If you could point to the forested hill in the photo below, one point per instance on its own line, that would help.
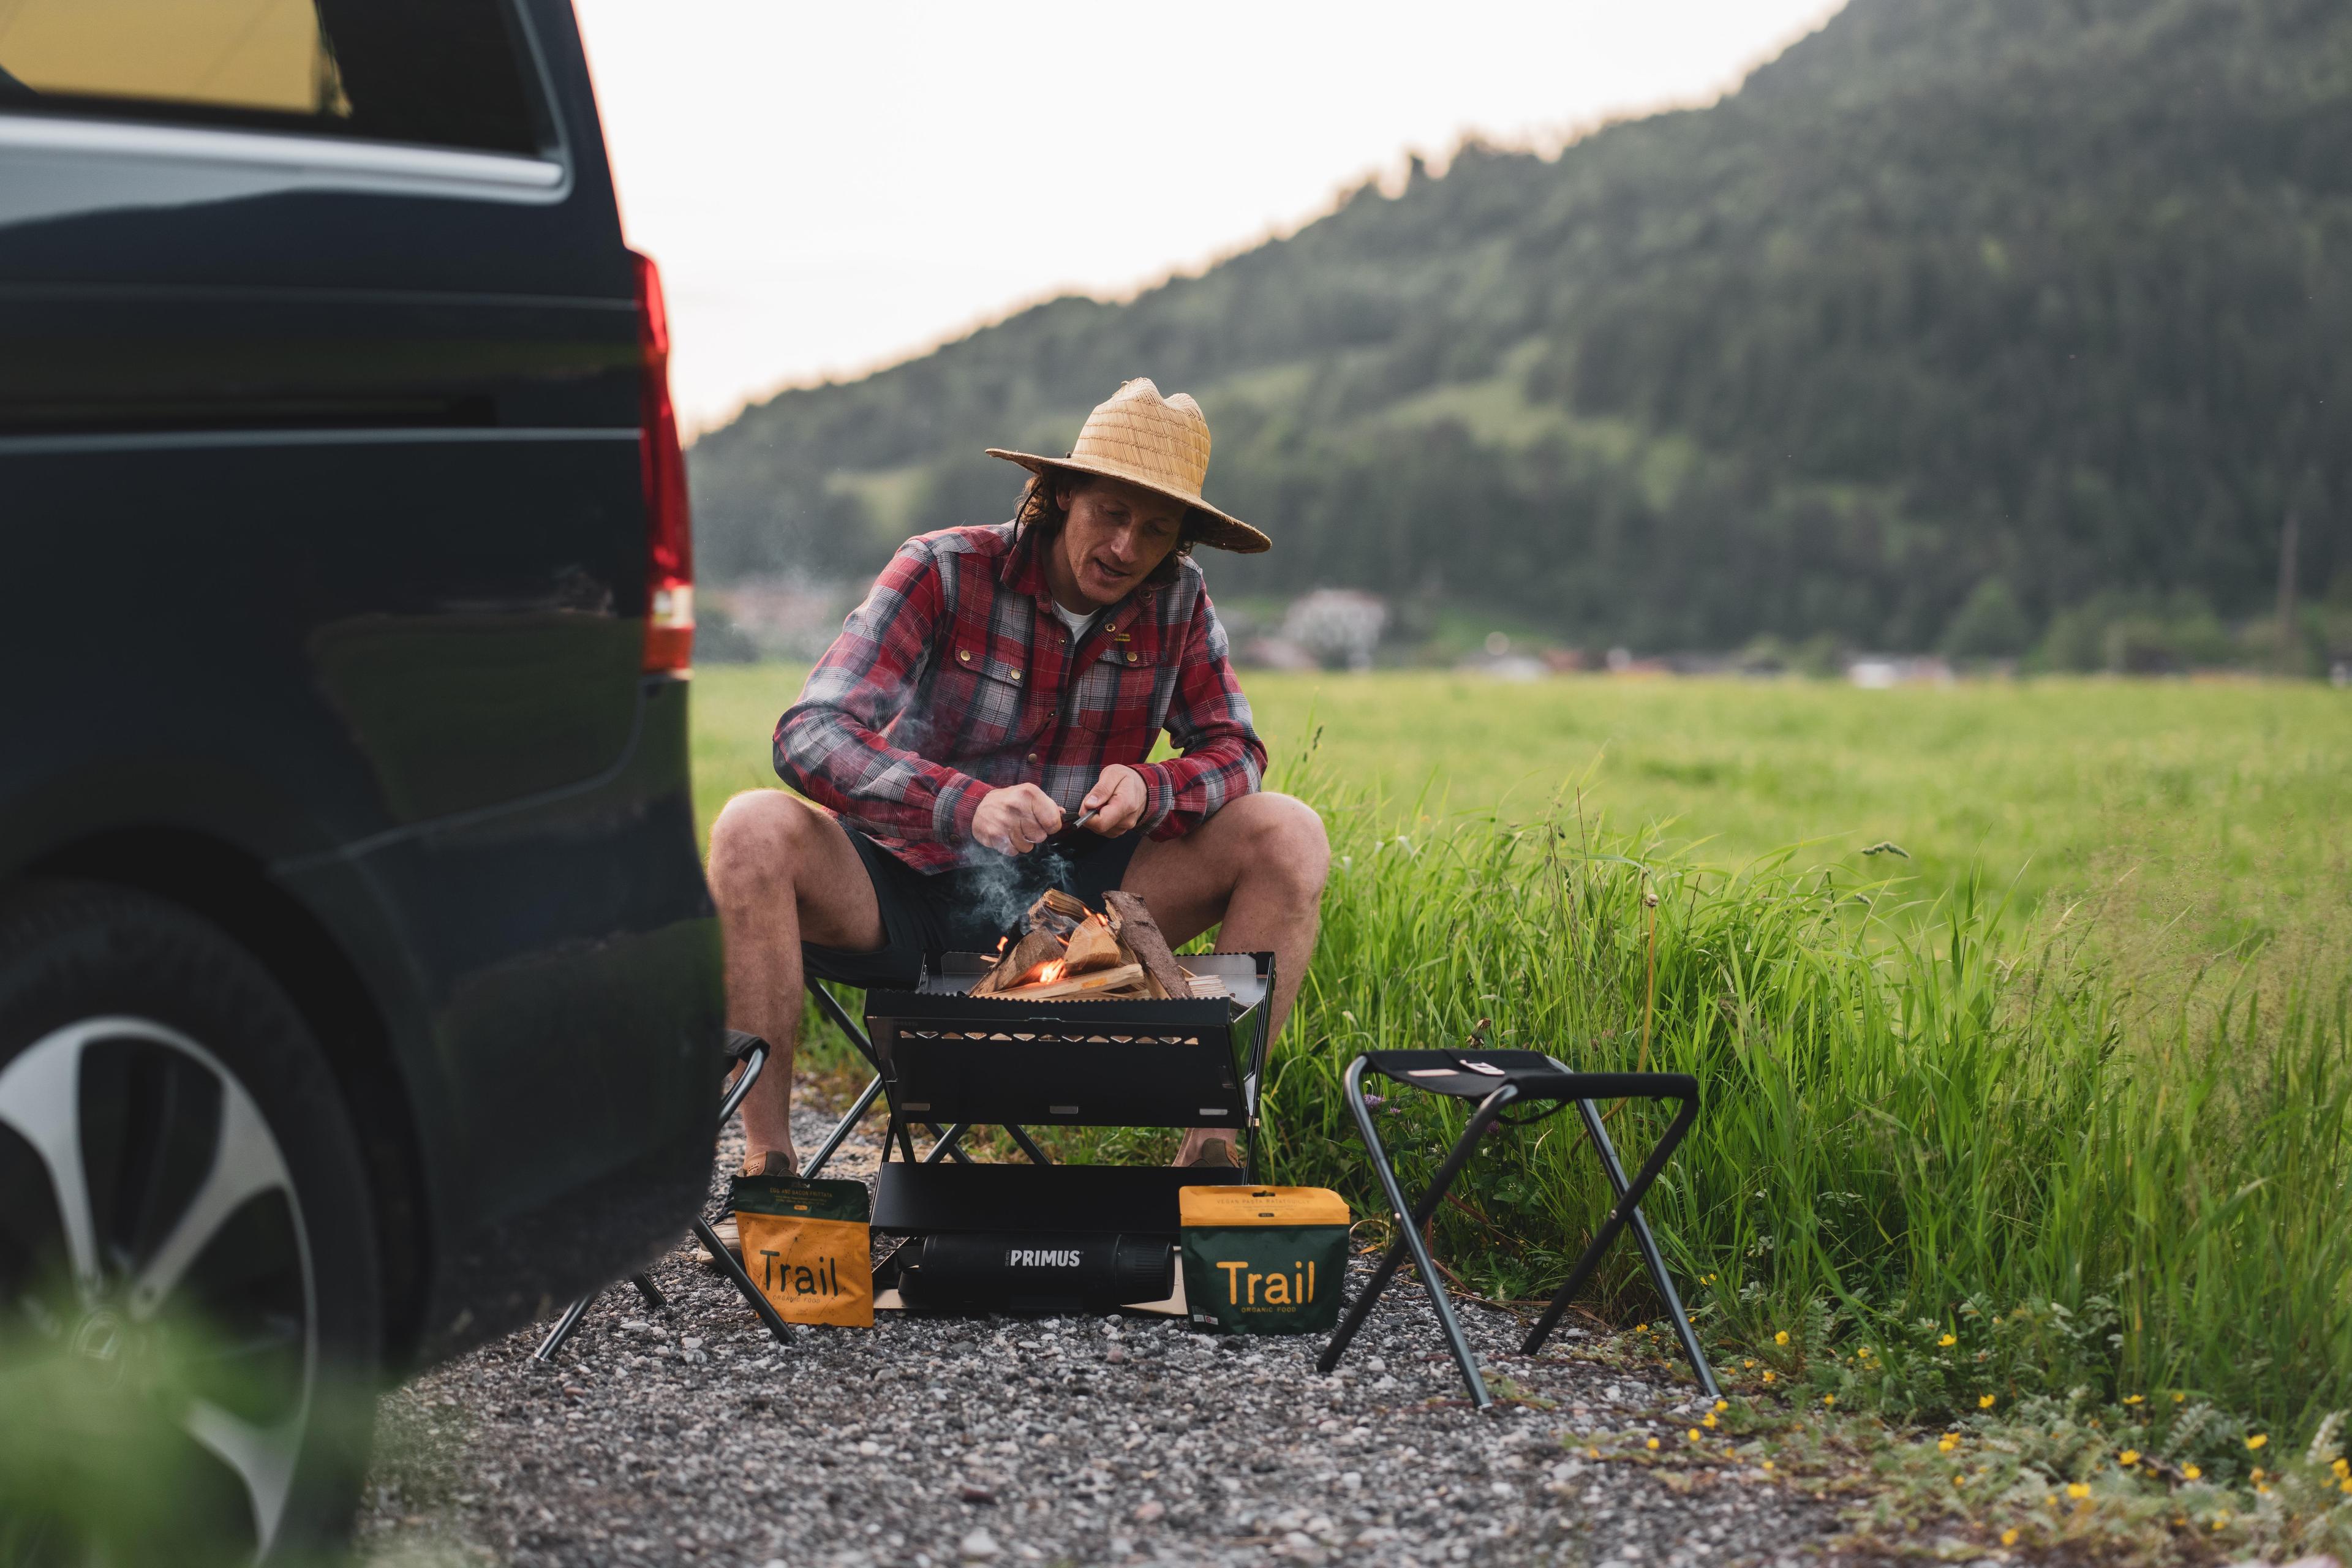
(2056, 292)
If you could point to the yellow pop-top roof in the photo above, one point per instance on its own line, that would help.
(1224, 1207)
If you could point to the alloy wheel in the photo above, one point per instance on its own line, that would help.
(159, 1240)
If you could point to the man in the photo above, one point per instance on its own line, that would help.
(996, 684)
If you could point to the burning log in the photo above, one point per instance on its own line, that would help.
(1032, 952)
(1067, 951)
(1093, 945)
(1101, 982)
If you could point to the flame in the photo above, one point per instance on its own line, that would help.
(1051, 971)
(1000, 945)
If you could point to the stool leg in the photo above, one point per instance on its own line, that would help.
(832, 1008)
(649, 1291)
(564, 1326)
(1020, 1136)
(1627, 1208)
(843, 1127)
(1410, 1219)
(1651, 1258)
(741, 1281)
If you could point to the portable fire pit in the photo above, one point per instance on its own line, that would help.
(957, 1052)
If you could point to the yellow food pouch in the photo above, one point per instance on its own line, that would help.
(807, 1247)
(1264, 1260)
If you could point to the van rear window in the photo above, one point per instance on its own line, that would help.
(441, 72)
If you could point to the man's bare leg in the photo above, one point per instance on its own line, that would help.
(1258, 865)
(781, 873)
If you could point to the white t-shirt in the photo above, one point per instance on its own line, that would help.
(1076, 620)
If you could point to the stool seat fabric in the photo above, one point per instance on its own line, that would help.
(1474, 1075)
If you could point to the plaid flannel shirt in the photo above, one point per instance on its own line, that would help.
(955, 679)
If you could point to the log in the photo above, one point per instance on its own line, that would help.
(1093, 946)
(1026, 954)
(1075, 985)
(1143, 938)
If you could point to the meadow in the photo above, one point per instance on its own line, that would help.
(2046, 1121)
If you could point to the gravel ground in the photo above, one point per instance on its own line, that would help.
(689, 1437)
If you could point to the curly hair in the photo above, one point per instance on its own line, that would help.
(1044, 507)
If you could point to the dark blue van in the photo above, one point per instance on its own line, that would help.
(359, 992)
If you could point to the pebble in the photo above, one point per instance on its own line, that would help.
(689, 1436)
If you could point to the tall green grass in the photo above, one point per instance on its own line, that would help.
(1919, 1121)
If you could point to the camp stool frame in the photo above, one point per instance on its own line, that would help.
(1494, 1080)
(752, 1053)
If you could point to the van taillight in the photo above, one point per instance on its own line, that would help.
(669, 531)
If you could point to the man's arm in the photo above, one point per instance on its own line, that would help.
(1209, 719)
(829, 745)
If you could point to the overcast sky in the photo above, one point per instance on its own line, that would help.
(829, 188)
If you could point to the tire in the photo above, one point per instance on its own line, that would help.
(190, 1281)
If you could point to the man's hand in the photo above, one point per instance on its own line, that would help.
(1017, 819)
(1117, 801)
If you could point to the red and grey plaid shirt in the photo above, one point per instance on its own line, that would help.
(954, 677)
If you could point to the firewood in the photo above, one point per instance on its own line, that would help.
(1038, 947)
(1142, 936)
(1100, 981)
(1092, 946)
(1055, 912)
(1207, 984)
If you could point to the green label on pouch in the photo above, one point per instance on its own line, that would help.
(799, 1199)
(1265, 1279)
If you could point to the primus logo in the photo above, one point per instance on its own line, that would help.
(1029, 1258)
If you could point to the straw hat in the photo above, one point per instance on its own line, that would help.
(1160, 443)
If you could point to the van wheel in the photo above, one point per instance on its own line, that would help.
(189, 1296)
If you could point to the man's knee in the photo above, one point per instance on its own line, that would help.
(755, 844)
(1286, 836)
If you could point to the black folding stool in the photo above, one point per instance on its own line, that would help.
(1494, 1080)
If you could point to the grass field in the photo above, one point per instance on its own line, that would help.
(2222, 806)
(2071, 1166)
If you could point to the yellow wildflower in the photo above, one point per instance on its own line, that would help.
(1782, 1338)
(2342, 1468)
(1749, 1362)
(1767, 1377)
(1693, 1434)
(1984, 1401)
(2177, 1398)
(1726, 1405)
(2259, 1474)
(2128, 1457)
(1653, 1442)
(2191, 1472)
(2346, 1484)
(1592, 1453)
(2134, 1398)
(1947, 1341)
(2077, 1489)
(1829, 1399)
(1707, 1419)
(2009, 1536)
(2258, 1439)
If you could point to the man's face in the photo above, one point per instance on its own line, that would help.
(1117, 534)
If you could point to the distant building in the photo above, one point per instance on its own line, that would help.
(1337, 628)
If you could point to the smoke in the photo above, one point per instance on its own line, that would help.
(999, 888)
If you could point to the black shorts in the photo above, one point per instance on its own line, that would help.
(965, 909)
